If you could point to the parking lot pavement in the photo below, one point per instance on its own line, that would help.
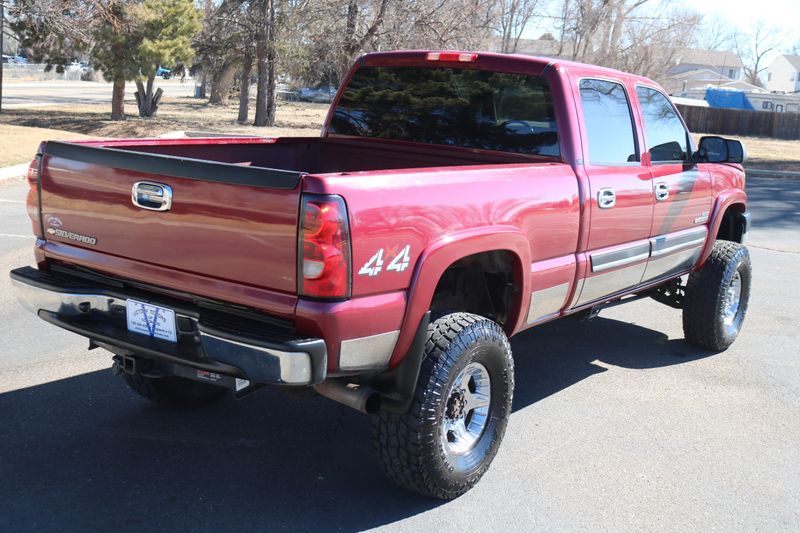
(618, 424)
(50, 93)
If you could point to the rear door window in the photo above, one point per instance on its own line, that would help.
(609, 123)
(667, 139)
(450, 106)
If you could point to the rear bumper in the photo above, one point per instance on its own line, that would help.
(207, 340)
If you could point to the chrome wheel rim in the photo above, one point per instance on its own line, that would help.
(466, 412)
(732, 300)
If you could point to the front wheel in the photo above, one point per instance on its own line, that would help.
(717, 296)
(448, 438)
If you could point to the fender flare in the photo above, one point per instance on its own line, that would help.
(723, 202)
(442, 253)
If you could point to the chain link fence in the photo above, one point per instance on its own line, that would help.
(37, 72)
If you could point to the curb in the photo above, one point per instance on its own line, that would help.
(15, 171)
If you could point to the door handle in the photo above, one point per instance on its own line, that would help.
(152, 196)
(606, 198)
(662, 191)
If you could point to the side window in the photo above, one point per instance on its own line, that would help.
(609, 125)
(663, 129)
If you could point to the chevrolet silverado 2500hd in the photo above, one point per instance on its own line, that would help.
(453, 200)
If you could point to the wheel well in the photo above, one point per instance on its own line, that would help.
(486, 284)
(731, 228)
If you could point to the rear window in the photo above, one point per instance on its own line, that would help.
(450, 106)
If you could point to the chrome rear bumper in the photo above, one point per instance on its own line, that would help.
(255, 353)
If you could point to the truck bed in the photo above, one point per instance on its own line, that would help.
(318, 155)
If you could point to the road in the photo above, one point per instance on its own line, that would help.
(617, 425)
(51, 93)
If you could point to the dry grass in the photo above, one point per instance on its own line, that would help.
(769, 154)
(174, 114)
(18, 143)
(21, 130)
(772, 154)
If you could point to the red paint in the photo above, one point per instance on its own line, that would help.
(239, 244)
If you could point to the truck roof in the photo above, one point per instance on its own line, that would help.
(536, 64)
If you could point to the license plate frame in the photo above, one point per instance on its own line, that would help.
(154, 321)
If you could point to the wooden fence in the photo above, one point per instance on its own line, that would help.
(741, 122)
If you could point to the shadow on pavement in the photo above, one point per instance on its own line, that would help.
(773, 203)
(558, 354)
(85, 453)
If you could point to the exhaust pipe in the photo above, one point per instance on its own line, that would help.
(352, 395)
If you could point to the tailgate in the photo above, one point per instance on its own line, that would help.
(227, 222)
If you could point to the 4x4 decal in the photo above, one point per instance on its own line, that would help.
(399, 262)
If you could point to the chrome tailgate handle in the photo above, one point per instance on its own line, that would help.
(152, 196)
(606, 198)
(662, 191)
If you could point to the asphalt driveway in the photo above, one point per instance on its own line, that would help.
(618, 424)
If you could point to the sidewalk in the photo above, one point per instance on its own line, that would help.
(15, 171)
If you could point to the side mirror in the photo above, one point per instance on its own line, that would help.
(714, 149)
(736, 151)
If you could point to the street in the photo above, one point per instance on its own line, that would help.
(23, 95)
(618, 424)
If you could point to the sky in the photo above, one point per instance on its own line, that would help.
(739, 14)
(784, 14)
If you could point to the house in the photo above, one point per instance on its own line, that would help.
(685, 81)
(722, 63)
(783, 75)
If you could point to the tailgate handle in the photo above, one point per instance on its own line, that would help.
(152, 196)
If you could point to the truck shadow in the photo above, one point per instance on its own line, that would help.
(559, 354)
(85, 453)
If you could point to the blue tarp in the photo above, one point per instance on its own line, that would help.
(727, 98)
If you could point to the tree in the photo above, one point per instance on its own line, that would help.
(111, 53)
(165, 28)
(753, 47)
(265, 62)
(125, 39)
(514, 18)
(639, 36)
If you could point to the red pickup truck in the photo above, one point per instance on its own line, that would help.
(453, 199)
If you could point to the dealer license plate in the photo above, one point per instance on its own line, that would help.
(151, 320)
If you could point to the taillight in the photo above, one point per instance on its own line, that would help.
(463, 57)
(32, 203)
(324, 248)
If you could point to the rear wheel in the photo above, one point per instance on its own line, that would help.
(717, 297)
(448, 438)
(174, 391)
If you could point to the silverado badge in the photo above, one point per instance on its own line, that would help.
(85, 239)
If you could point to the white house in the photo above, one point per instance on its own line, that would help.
(723, 63)
(783, 75)
(692, 79)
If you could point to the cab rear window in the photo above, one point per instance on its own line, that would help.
(450, 106)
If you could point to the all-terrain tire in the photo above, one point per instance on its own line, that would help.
(717, 296)
(174, 391)
(410, 446)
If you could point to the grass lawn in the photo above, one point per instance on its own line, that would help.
(184, 113)
(18, 144)
(21, 130)
(772, 154)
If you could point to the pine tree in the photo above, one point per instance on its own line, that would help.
(166, 28)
